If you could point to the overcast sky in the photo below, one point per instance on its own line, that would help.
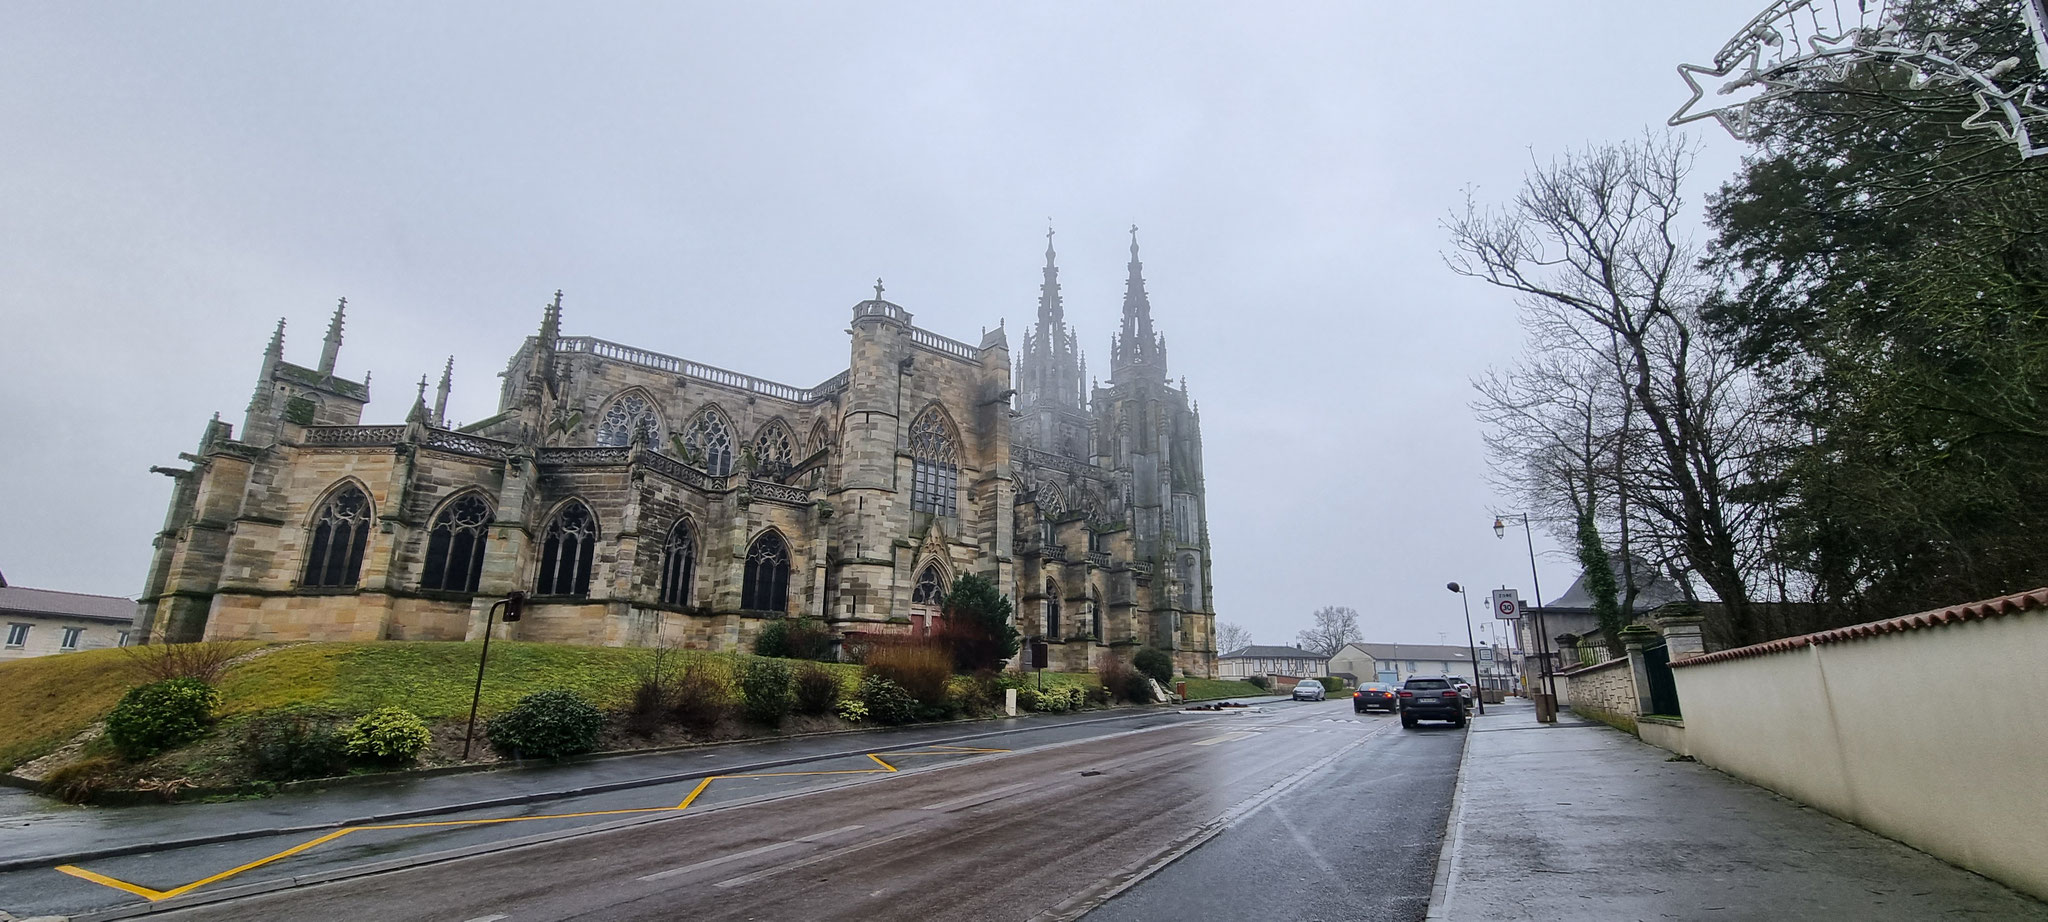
(724, 181)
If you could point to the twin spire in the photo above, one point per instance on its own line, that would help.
(1054, 372)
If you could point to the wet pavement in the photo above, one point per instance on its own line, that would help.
(1581, 821)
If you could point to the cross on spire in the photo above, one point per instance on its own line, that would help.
(878, 288)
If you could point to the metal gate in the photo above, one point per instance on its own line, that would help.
(1663, 691)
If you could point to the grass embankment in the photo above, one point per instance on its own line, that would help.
(47, 700)
(1212, 689)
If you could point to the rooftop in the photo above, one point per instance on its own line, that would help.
(1415, 651)
(1271, 652)
(21, 600)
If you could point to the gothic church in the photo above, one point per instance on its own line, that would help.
(643, 498)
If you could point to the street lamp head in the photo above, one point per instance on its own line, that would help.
(1500, 528)
(1454, 587)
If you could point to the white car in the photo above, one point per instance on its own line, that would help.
(1308, 690)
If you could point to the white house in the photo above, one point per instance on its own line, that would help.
(1268, 660)
(39, 622)
(1395, 662)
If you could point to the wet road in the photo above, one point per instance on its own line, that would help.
(1305, 812)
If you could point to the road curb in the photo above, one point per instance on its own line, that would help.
(115, 851)
(1440, 888)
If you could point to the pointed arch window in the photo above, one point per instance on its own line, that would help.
(1095, 616)
(1052, 610)
(765, 586)
(774, 449)
(821, 436)
(678, 564)
(455, 545)
(566, 551)
(629, 416)
(341, 529)
(1190, 583)
(708, 443)
(935, 465)
(931, 587)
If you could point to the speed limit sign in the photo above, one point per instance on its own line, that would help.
(1507, 605)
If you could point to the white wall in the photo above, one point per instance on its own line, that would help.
(1935, 737)
(46, 634)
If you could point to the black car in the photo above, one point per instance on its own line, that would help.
(1374, 695)
(1431, 698)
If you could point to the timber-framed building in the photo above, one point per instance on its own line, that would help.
(643, 498)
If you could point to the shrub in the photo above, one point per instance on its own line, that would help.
(851, 711)
(546, 725)
(288, 747)
(78, 782)
(1331, 684)
(1055, 700)
(978, 695)
(977, 629)
(1258, 681)
(388, 735)
(1101, 696)
(702, 700)
(887, 702)
(765, 691)
(206, 661)
(796, 638)
(817, 690)
(161, 715)
(650, 705)
(1030, 699)
(1119, 679)
(1154, 662)
(916, 665)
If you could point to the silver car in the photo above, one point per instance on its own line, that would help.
(1308, 690)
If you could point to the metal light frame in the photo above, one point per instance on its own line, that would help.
(1796, 45)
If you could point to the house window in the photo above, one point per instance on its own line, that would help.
(17, 635)
(121, 640)
(766, 583)
(678, 564)
(934, 467)
(70, 641)
(340, 531)
(455, 545)
(566, 552)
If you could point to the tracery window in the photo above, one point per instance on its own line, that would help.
(766, 583)
(628, 416)
(341, 529)
(774, 450)
(708, 441)
(566, 552)
(935, 468)
(678, 564)
(1052, 609)
(821, 435)
(455, 545)
(931, 587)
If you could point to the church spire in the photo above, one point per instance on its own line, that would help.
(1048, 373)
(332, 347)
(441, 395)
(1137, 345)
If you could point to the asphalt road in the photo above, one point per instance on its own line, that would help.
(1305, 812)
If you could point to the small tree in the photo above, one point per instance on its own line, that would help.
(1231, 637)
(1335, 626)
(977, 626)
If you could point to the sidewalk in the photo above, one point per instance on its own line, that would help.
(1581, 821)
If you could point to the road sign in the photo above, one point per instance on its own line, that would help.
(1486, 654)
(1507, 604)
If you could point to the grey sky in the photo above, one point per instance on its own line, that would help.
(724, 181)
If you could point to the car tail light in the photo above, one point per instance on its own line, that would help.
(1407, 694)
(1453, 693)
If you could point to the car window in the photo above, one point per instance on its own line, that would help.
(1427, 684)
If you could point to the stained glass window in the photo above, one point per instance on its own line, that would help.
(628, 415)
(334, 556)
(566, 552)
(766, 583)
(931, 587)
(708, 441)
(774, 449)
(455, 545)
(678, 564)
(935, 468)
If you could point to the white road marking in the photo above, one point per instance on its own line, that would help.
(489, 918)
(828, 856)
(749, 853)
(978, 797)
(1225, 738)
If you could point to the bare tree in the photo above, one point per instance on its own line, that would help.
(1335, 626)
(1231, 637)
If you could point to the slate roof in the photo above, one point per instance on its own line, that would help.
(66, 604)
(2016, 603)
(1652, 590)
(1270, 652)
(1445, 653)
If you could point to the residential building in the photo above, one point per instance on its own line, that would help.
(39, 622)
(1572, 614)
(1395, 662)
(1246, 662)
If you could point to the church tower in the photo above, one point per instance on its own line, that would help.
(1050, 392)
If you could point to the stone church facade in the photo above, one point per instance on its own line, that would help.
(642, 498)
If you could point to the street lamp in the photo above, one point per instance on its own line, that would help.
(1500, 530)
(1471, 644)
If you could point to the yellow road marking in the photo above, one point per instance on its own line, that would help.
(155, 895)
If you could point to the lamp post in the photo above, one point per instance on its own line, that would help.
(1471, 644)
(513, 605)
(1500, 530)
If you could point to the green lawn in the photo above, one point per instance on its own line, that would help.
(47, 700)
(1211, 689)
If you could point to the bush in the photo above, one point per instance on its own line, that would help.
(1055, 700)
(977, 629)
(1156, 663)
(649, 707)
(288, 747)
(1119, 679)
(916, 665)
(546, 725)
(389, 736)
(851, 711)
(702, 700)
(1258, 680)
(765, 691)
(817, 690)
(161, 715)
(979, 695)
(887, 702)
(206, 661)
(78, 782)
(798, 638)
(1331, 684)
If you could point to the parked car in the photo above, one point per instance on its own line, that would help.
(1309, 690)
(1374, 695)
(1465, 688)
(1431, 698)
